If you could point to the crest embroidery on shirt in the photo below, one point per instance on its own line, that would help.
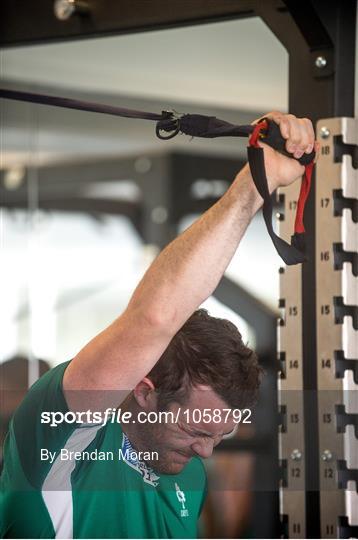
(184, 512)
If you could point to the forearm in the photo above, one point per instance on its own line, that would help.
(189, 269)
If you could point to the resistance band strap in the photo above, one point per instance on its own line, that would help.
(77, 104)
(293, 253)
(169, 124)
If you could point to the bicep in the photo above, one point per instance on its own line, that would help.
(114, 362)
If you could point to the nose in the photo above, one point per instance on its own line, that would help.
(203, 448)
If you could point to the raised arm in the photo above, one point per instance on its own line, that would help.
(185, 273)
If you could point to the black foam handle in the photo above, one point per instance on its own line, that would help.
(273, 137)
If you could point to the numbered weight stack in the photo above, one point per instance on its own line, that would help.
(337, 325)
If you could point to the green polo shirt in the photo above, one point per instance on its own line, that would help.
(92, 497)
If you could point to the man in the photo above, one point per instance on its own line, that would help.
(68, 479)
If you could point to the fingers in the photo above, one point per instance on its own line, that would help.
(316, 148)
(298, 132)
(301, 137)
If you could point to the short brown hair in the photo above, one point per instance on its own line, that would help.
(209, 351)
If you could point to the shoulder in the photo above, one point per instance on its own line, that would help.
(194, 474)
(44, 395)
(199, 465)
(33, 416)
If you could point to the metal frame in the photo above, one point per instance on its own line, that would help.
(22, 24)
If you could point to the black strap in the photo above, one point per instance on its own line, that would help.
(198, 125)
(77, 104)
(289, 253)
(169, 124)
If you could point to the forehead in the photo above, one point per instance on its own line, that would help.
(202, 396)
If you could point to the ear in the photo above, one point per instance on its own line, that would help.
(144, 394)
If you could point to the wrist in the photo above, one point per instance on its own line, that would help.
(245, 190)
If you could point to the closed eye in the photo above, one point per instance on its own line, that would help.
(206, 435)
(194, 433)
(231, 433)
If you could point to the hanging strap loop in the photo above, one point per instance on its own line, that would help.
(268, 132)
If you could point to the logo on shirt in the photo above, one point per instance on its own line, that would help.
(184, 512)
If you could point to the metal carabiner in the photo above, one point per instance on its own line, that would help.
(171, 116)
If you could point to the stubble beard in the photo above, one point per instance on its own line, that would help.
(150, 438)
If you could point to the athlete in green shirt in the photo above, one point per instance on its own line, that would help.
(91, 477)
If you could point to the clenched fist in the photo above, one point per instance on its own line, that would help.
(300, 139)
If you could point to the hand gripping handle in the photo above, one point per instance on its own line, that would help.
(272, 136)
